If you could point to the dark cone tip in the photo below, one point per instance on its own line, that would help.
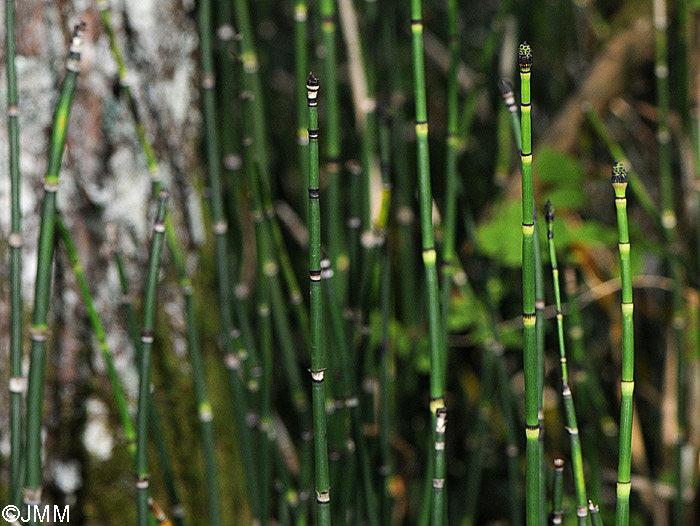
(619, 174)
(558, 463)
(312, 82)
(548, 211)
(525, 56)
(505, 87)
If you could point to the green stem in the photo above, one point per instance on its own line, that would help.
(448, 243)
(624, 485)
(230, 336)
(142, 417)
(17, 381)
(100, 335)
(571, 422)
(32, 490)
(557, 492)
(323, 496)
(532, 425)
(596, 519)
(437, 388)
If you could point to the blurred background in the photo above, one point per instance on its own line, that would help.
(595, 101)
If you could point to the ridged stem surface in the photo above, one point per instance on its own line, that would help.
(144, 366)
(35, 388)
(17, 382)
(437, 396)
(624, 484)
(532, 427)
(567, 396)
(318, 367)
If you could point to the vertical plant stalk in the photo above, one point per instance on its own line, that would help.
(17, 382)
(593, 402)
(142, 416)
(569, 408)
(204, 407)
(596, 519)
(437, 389)
(668, 221)
(448, 243)
(624, 484)
(32, 489)
(251, 83)
(557, 492)
(100, 335)
(532, 426)
(301, 60)
(230, 336)
(336, 249)
(323, 495)
(539, 338)
(155, 424)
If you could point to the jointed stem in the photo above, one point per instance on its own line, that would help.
(32, 490)
(624, 485)
(437, 388)
(571, 423)
(323, 496)
(532, 426)
(557, 491)
(142, 417)
(17, 382)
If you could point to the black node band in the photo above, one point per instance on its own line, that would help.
(313, 193)
(313, 133)
(415, 21)
(421, 122)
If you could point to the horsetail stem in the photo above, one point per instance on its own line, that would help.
(357, 445)
(539, 339)
(123, 73)
(17, 384)
(301, 60)
(336, 249)
(204, 409)
(569, 409)
(532, 425)
(591, 394)
(100, 335)
(155, 424)
(233, 350)
(32, 490)
(437, 389)
(506, 90)
(668, 221)
(557, 491)
(149, 307)
(594, 510)
(317, 370)
(204, 406)
(452, 143)
(624, 485)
